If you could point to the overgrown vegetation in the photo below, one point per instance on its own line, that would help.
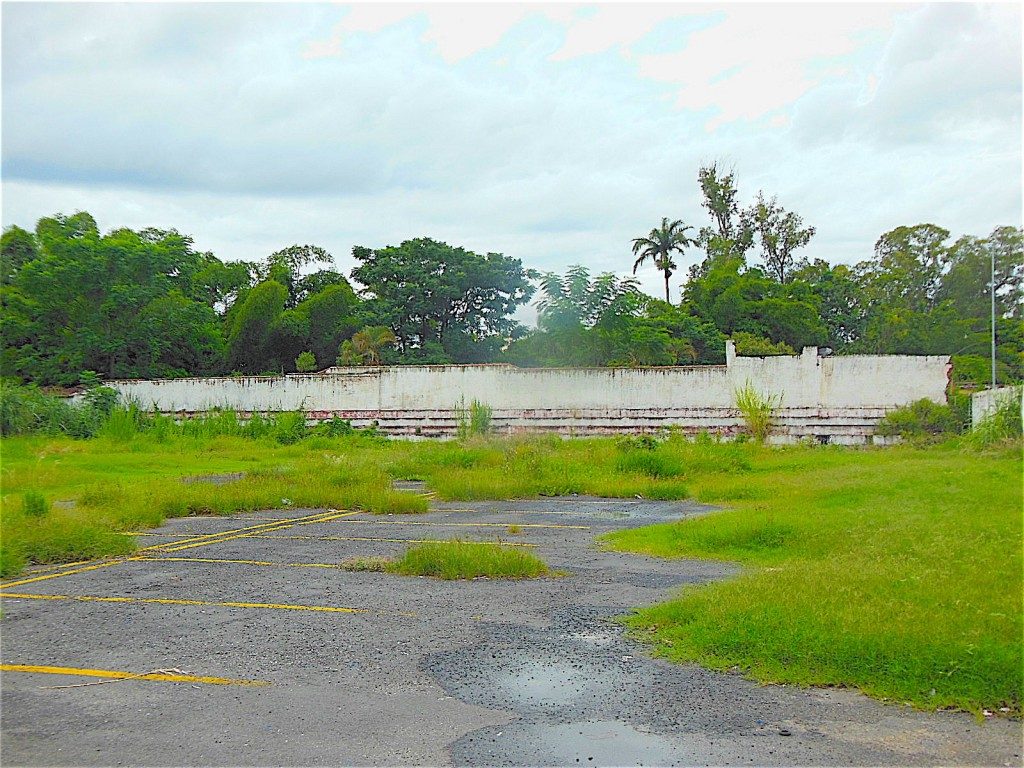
(896, 571)
(1002, 425)
(474, 421)
(468, 560)
(922, 420)
(757, 410)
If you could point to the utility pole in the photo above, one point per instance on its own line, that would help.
(993, 292)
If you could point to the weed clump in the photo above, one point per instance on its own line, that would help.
(1003, 424)
(34, 504)
(757, 410)
(474, 421)
(458, 559)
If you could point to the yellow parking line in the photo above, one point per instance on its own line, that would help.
(239, 562)
(34, 579)
(116, 675)
(248, 528)
(172, 601)
(468, 525)
(374, 538)
(176, 546)
(331, 517)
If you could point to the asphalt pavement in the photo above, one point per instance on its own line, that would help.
(239, 641)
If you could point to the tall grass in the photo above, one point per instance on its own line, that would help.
(474, 421)
(757, 410)
(1004, 424)
(468, 560)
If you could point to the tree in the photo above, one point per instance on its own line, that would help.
(251, 325)
(838, 298)
(305, 362)
(428, 292)
(370, 342)
(781, 233)
(659, 245)
(730, 235)
(285, 267)
(17, 248)
(121, 303)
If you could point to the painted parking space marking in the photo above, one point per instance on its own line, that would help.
(111, 674)
(378, 538)
(213, 538)
(172, 546)
(232, 561)
(212, 603)
(467, 525)
(71, 572)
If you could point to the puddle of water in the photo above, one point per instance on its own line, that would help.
(544, 684)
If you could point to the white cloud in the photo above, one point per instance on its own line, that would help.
(553, 134)
(762, 57)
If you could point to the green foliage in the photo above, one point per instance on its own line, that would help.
(124, 303)
(1002, 425)
(659, 245)
(34, 504)
(922, 419)
(427, 291)
(780, 233)
(468, 560)
(250, 325)
(757, 410)
(305, 362)
(895, 571)
(146, 304)
(29, 410)
(371, 342)
(474, 421)
(749, 345)
(289, 427)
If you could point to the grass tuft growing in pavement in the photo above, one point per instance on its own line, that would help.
(895, 571)
(468, 560)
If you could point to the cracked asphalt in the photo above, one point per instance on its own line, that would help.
(286, 660)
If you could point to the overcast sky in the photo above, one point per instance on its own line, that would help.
(552, 133)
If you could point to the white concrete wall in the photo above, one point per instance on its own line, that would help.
(984, 402)
(838, 399)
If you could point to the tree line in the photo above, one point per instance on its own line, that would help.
(147, 304)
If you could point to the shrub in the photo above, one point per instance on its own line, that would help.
(34, 504)
(758, 410)
(289, 427)
(335, 427)
(628, 443)
(305, 362)
(922, 419)
(749, 345)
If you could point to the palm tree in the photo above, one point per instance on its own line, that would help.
(658, 247)
(370, 341)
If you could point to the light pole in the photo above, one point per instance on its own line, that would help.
(993, 292)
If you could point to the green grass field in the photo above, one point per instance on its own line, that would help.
(897, 571)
